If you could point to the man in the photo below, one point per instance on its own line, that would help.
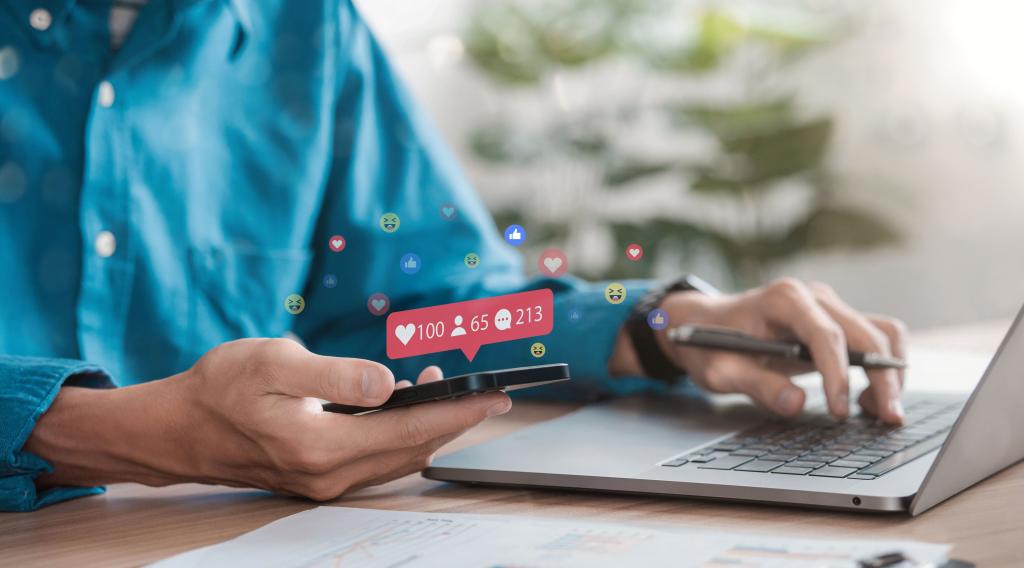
(160, 200)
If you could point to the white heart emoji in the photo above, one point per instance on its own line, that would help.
(336, 243)
(377, 304)
(634, 252)
(552, 264)
(404, 333)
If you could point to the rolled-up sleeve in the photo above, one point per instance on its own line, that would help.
(28, 385)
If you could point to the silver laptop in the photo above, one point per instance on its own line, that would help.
(692, 447)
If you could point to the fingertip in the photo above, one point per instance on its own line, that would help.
(499, 407)
(402, 384)
(790, 401)
(378, 383)
(430, 374)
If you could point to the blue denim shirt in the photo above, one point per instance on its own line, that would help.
(160, 200)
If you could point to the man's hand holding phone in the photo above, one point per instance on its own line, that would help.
(247, 414)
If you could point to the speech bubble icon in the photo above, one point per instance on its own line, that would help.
(468, 325)
(503, 319)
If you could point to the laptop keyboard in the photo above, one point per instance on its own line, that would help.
(858, 448)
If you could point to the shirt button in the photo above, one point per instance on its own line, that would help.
(105, 244)
(106, 94)
(40, 19)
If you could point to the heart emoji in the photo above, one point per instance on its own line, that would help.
(552, 262)
(404, 333)
(448, 211)
(337, 243)
(377, 304)
(634, 252)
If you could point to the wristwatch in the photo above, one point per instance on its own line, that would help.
(652, 359)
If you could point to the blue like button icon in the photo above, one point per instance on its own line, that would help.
(410, 263)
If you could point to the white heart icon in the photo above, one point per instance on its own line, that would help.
(552, 264)
(404, 333)
(336, 243)
(377, 304)
(634, 252)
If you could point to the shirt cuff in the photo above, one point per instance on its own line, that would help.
(28, 386)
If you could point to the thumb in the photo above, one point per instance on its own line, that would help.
(355, 382)
(773, 391)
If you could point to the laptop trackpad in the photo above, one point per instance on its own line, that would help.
(622, 437)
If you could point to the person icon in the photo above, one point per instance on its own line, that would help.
(459, 330)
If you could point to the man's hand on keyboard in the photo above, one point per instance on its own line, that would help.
(790, 309)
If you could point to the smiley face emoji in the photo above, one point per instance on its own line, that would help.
(472, 260)
(294, 303)
(390, 222)
(615, 293)
(537, 350)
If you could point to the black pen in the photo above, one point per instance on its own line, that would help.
(732, 340)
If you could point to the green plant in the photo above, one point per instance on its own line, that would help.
(763, 145)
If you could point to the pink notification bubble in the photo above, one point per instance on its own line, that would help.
(468, 325)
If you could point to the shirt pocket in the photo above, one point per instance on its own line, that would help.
(240, 292)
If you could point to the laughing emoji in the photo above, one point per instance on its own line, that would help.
(294, 303)
(615, 293)
(537, 350)
(472, 260)
(389, 222)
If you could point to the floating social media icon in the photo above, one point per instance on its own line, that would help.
(575, 315)
(390, 222)
(330, 281)
(552, 262)
(447, 211)
(336, 243)
(294, 303)
(405, 332)
(472, 260)
(515, 235)
(657, 319)
(468, 325)
(410, 263)
(378, 304)
(615, 293)
(502, 319)
(634, 252)
(537, 350)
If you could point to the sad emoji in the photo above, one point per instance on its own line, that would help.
(615, 293)
(389, 222)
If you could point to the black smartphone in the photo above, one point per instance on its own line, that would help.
(461, 385)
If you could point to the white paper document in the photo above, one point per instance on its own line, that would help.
(342, 537)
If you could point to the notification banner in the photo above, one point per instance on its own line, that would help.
(468, 325)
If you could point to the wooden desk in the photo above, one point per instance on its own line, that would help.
(133, 525)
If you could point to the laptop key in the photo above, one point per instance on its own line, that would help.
(675, 463)
(861, 476)
(790, 470)
(779, 457)
(801, 463)
(706, 457)
(831, 471)
(862, 458)
(879, 453)
(760, 465)
(818, 458)
(912, 453)
(749, 452)
(728, 462)
(849, 463)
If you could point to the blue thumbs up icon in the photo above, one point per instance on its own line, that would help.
(410, 263)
